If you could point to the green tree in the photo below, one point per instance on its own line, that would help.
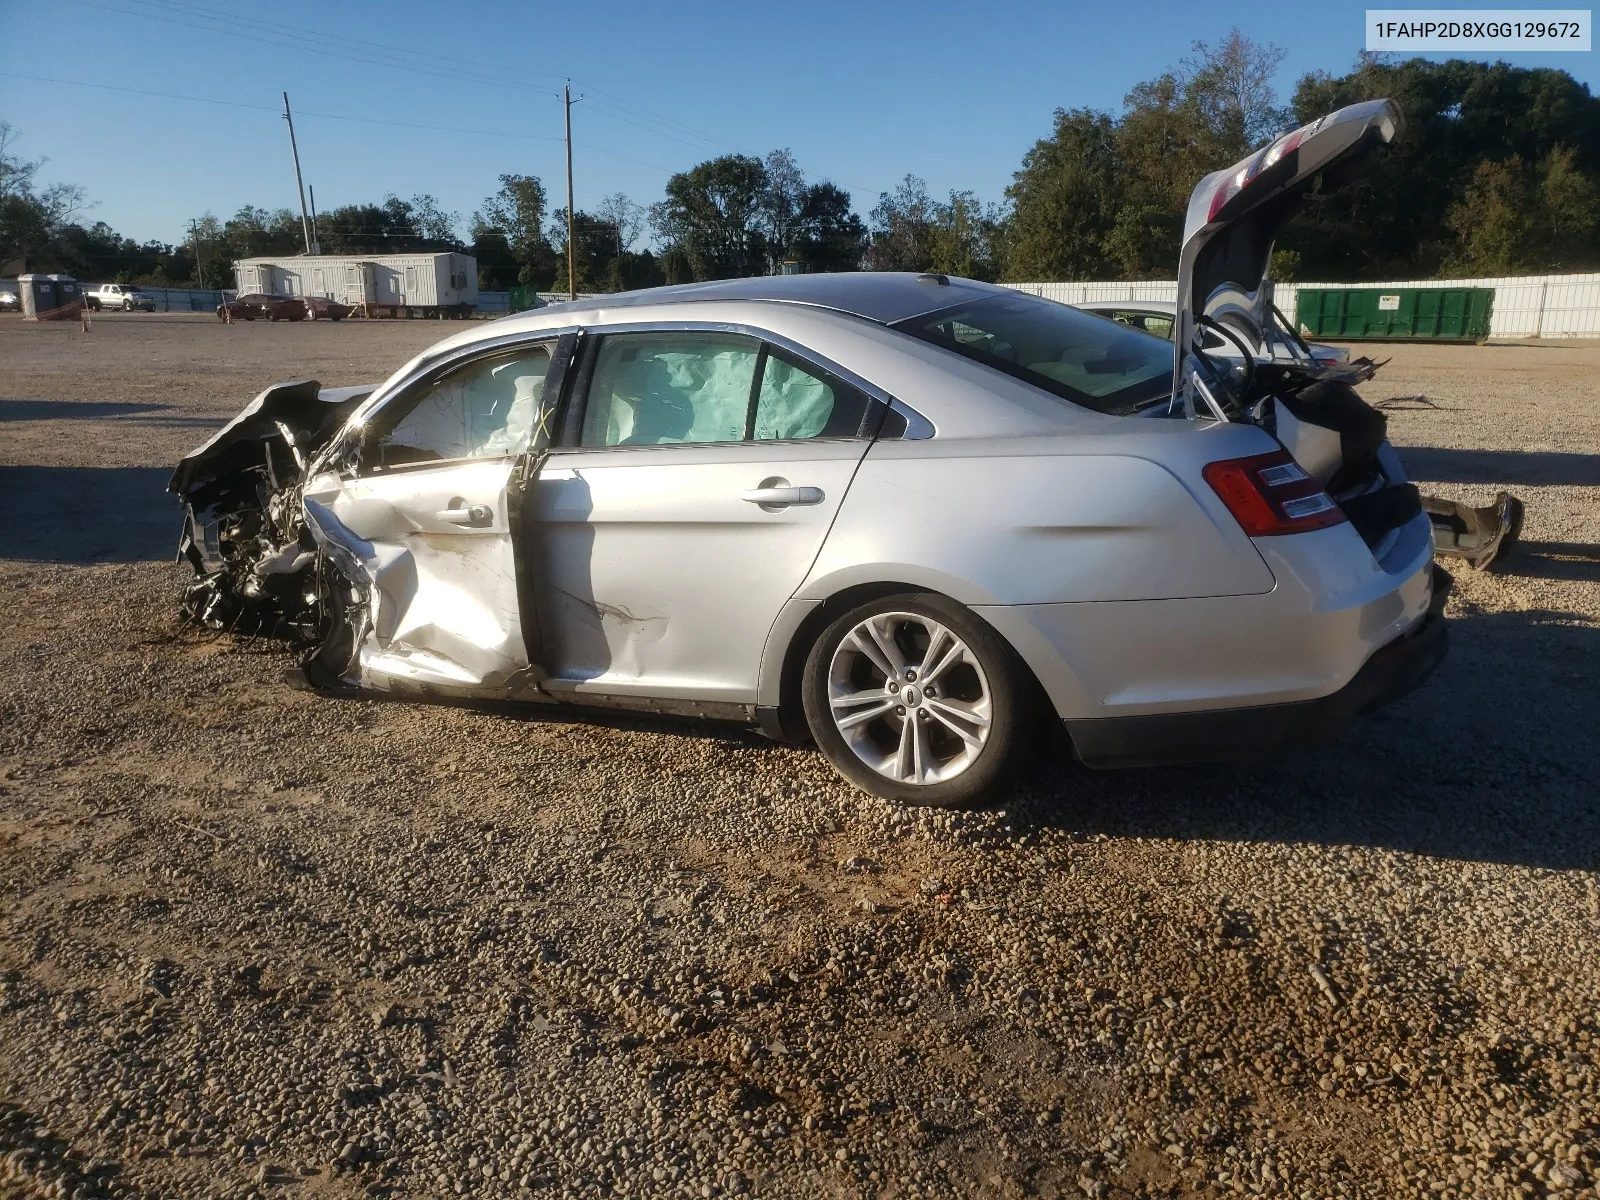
(1106, 196)
(831, 236)
(1065, 201)
(911, 231)
(434, 227)
(1495, 220)
(1570, 200)
(1230, 87)
(32, 219)
(626, 222)
(517, 214)
(716, 214)
(783, 204)
(965, 237)
(498, 268)
(902, 228)
(1408, 215)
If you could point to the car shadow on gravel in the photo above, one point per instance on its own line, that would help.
(1436, 464)
(102, 410)
(73, 410)
(87, 514)
(1577, 561)
(1492, 761)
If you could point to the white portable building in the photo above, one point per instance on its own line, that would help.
(429, 282)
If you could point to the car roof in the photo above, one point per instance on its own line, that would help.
(881, 296)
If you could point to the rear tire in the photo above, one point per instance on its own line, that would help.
(955, 747)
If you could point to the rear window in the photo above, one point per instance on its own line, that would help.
(1084, 359)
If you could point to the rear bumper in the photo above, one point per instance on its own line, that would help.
(1163, 738)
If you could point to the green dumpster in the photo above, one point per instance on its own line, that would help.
(1430, 314)
(522, 298)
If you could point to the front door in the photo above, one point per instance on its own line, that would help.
(428, 514)
(705, 472)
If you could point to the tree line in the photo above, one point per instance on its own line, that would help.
(1498, 172)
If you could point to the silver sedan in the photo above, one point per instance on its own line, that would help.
(898, 515)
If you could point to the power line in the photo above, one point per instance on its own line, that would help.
(604, 103)
(214, 23)
(290, 31)
(326, 116)
(109, 87)
(489, 73)
(411, 60)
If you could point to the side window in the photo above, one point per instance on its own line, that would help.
(485, 409)
(659, 389)
(799, 402)
(1156, 323)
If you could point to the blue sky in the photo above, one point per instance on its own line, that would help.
(862, 93)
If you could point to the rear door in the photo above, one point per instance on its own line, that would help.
(431, 513)
(702, 473)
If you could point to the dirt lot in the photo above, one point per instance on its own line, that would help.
(257, 942)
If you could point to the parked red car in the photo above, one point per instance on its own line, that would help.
(255, 305)
(328, 310)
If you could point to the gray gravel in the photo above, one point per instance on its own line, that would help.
(254, 942)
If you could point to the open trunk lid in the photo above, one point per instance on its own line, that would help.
(1234, 216)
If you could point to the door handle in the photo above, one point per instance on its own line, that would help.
(473, 514)
(782, 497)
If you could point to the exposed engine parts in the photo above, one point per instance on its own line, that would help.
(259, 571)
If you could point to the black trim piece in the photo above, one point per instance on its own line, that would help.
(577, 398)
(1222, 734)
(755, 392)
(772, 724)
(1376, 513)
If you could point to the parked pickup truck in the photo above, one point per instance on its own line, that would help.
(123, 296)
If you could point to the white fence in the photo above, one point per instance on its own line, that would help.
(1529, 306)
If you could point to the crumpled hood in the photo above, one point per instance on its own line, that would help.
(309, 411)
(1235, 214)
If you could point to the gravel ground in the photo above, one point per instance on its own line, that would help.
(254, 942)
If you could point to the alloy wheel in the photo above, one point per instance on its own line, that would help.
(910, 698)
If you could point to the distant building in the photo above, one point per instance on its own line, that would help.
(412, 284)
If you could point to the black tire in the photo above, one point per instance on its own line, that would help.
(988, 775)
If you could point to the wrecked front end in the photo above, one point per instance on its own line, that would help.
(259, 570)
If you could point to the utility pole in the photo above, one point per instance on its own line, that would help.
(199, 263)
(305, 220)
(316, 240)
(572, 254)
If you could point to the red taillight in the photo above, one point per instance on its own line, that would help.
(1269, 494)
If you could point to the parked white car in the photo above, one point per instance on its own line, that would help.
(1160, 317)
(891, 513)
(122, 297)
